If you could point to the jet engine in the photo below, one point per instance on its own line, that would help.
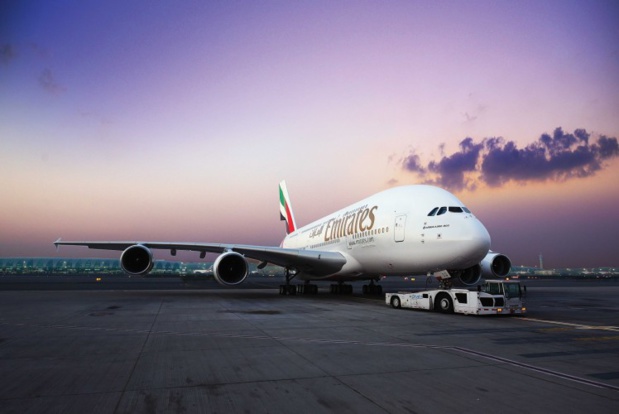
(230, 269)
(470, 276)
(495, 265)
(136, 260)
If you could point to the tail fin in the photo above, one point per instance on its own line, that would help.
(285, 209)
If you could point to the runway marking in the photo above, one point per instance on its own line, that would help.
(529, 367)
(600, 338)
(573, 325)
(539, 369)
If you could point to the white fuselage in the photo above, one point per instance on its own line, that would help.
(391, 233)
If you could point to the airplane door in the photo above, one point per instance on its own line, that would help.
(400, 225)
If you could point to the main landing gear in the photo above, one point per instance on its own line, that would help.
(307, 289)
(304, 289)
(288, 289)
(372, 289)
(341, 289)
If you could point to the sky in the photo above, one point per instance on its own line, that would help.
(175, 121)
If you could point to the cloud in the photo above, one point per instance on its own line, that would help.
(411, 163)
(47, 81)
(607, 147)
(495, 161)
(451, 169)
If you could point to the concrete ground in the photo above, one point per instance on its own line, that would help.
(253, 351)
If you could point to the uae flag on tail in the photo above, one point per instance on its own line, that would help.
(285, 209)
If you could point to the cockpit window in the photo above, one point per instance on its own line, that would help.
(433, 212)
(437, 211)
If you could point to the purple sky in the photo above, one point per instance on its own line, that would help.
(176, 121)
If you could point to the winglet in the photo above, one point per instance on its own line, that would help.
(57, 242)
(285, 209)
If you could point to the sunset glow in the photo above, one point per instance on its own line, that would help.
(176, 121)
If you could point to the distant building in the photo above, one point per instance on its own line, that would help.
(535, 272)
(57, 265)
(72, 266)
(68, 266)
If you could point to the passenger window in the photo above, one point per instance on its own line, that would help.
(441, 210)
(455, 209)
(433, 212)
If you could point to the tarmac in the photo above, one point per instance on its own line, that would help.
(212, 350)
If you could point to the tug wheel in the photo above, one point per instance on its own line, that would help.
(444, 303)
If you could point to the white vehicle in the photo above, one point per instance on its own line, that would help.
(416, 229)
(495, 297)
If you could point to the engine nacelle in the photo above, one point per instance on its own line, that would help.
(136, 260)
(461, 277)
(470, 276)
(495, 265)
(230, 269)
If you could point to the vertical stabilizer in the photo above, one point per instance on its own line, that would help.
(285, 209)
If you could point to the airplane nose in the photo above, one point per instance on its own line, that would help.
(480, 239)
(472, 244)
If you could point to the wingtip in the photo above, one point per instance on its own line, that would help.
(57, 242)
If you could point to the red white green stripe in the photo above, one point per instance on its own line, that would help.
(285, 210)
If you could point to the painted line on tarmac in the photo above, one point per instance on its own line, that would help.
(573, 325)
(537, 369)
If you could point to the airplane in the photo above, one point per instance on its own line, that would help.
(402, 231)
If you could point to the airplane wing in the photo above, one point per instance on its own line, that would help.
(314, 262)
